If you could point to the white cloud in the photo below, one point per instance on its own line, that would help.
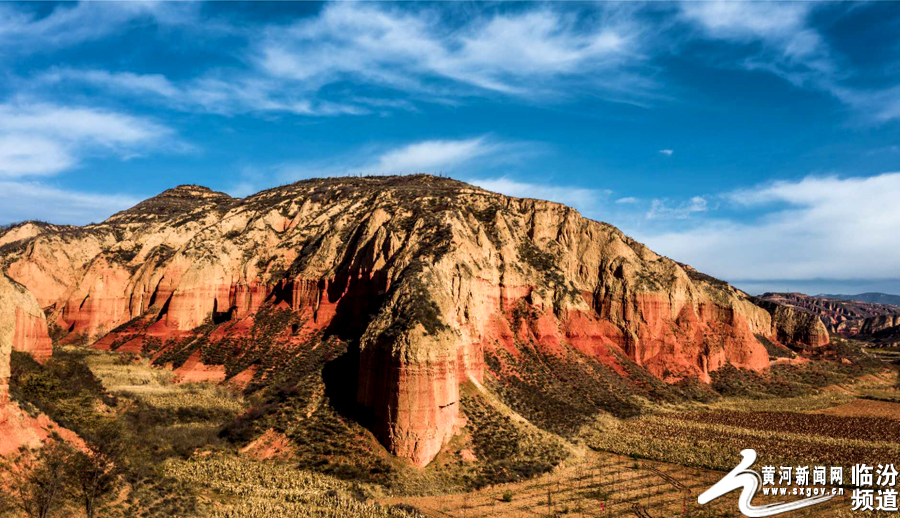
(588, 201)
(22, 156)
(778, 22)
(659, 209)
(791, 48)
(208, 93)
(818, 227)
(627, 200)
(403, 49)
(21, 201)
(22, 30)
(44, 139)
(433, 155)
(667, 152)
(420, 53)
(119, 82)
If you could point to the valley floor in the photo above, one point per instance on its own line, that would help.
(652, 465)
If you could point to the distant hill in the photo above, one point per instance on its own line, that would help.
(878, 298)
(872, 321)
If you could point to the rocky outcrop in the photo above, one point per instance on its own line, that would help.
(795, 326)
(423, 275)
(839, 316)
(22, 324)
(22, 328)
(869, 326)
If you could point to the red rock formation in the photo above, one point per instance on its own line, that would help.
(31, 335)
(426, 274)
(22, 328)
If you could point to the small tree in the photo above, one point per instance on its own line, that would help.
(36, 479)
(92, 476)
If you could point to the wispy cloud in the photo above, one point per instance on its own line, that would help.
(660, 209)
(406, 49)
(667, 152)
(790, 46)
(786, 43)
(20, 200)
(434, 155)
(405, 56)
(233, 94)
(817, 227)
(23, 30)
(44, 139)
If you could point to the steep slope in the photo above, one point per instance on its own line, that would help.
(22, 328)
(422, 277)
(796, 325)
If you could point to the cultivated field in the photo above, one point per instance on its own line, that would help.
(601, 484)
(622, 473)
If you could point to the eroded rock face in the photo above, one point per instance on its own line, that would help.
(422, 274)
(22, 328)
(796, 326)
(847, 317)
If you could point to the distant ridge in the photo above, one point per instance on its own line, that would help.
(878, 298)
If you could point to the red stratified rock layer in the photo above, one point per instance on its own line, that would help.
(425, 274)
(22, 328)
(31, 336)
(415, 405)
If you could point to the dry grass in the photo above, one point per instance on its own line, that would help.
(156, 386)
(249, 488)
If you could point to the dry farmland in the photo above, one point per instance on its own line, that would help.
(622, 473)
(599, 485)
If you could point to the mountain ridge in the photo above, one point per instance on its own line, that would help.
(418, 283)
(871, 296)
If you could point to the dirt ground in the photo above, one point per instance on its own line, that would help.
(865, 408)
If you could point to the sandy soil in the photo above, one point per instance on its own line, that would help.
(865, 408)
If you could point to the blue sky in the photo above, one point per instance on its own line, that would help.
(759, 142)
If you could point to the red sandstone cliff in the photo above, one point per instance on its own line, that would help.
(22, 328)
(425, 274)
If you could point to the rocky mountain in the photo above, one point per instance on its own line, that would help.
(869, 320)
(795, 324)
(22, 328)
(396, 290)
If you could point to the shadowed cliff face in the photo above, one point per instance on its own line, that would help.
(796, 326)
(422, 275)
